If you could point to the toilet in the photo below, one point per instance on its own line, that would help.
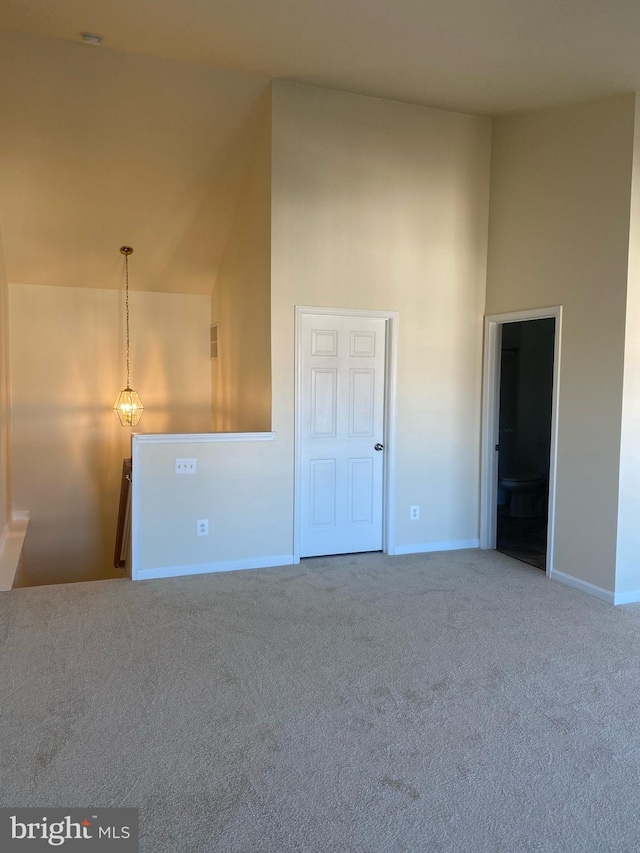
(528, 492)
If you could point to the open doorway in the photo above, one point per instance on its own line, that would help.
(521, 372)
(524, 442)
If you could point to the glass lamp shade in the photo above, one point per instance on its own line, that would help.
(128, 407)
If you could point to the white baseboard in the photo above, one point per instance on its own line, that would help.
(427, 547)
(207, 568)
(585, 586)
(11, 544)
(632, 597)
(4, 537)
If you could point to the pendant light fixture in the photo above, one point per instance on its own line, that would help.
(128, 406)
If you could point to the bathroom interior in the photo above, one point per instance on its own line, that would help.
(526, 393)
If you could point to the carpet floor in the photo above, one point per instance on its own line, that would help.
(360, 704)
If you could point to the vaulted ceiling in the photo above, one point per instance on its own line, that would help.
(143, 139)
(481, 56)
(103, 148)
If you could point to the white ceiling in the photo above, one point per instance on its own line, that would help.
(480, 56)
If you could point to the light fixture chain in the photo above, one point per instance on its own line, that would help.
(128, 406)
(126, 268)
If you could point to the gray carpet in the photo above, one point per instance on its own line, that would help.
(361, 704)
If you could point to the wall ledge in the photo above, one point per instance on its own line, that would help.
(11, 545)
(201, 437)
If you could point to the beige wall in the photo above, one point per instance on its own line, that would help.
(558, 235)
(233, 488)
(5, 426)
(382, 205)
(374, 205)
(628, 545)
(68, 365)
(241, 301)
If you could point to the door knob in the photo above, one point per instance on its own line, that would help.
(378, 446)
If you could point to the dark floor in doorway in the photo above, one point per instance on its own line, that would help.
(522, 538)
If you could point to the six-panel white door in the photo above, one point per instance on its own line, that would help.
(342, 364)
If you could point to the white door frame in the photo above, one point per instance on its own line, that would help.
(490, 422)
(389, 469)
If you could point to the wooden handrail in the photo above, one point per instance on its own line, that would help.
(124, 517)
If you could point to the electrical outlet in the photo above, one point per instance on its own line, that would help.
(414, 513)
(203, 527)
(186, 466)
